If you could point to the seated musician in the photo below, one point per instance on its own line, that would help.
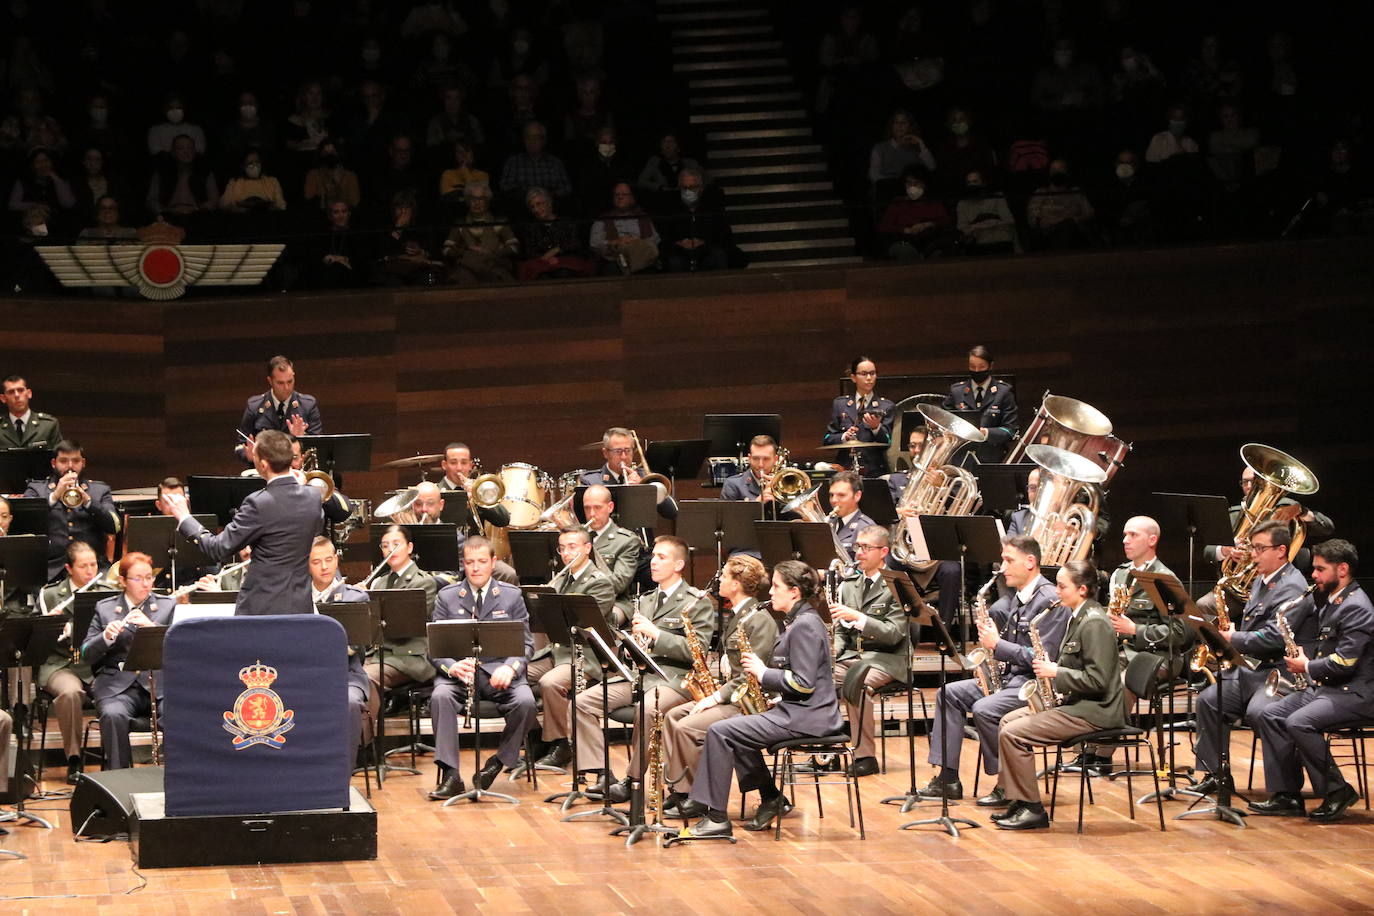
(328, 587)
(498, 680)
(617, 548)
(14, 601)
(915, 444)
(121, 696)
(872, 645)
(402, 661)
(1318, 527)
(861, 417)
(617, 447)
(684, 727)
(166, 487)
(551, 664)
(93, 517)
(994, 400)
(1019, 521)
(1005, 636)
(798, 668)
(428, 509)
(846, 489)
(1255, 634)
(754, 484)
(67, 681)
(1339, 693)
(657, 624)
(1085, 683)
(230, 576)
(458, 475)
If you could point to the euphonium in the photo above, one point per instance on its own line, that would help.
(748, 696)
(698, 680)
(1062, 525)
(987, 671)
(1276, 685)
(1276, 473)
(937, 486)
(1038, 692)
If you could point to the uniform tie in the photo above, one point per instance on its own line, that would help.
(281, 412)
(978, 396)
(19, 429)
(477, 603)
(662, 597)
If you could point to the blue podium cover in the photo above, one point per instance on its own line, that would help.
(256, 715)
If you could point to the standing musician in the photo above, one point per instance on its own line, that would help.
(915, 444)
(872, 642)
(799, 668)
(121, 695)
(21, 426)
(1087, 677)
(657, 625)
(279, 522)
(281, 407)
(458, 475)
(618, 548)
(67, 681)
(428, 509)
(328, 587)
(551, 664)
(407, 660)
(861, 417)
(1256, 636)
(846, 489)
(993, 398)
(617, 447)
(499, 680)
(1340, 693)
(685, 726)
(91, 518)
(1006, 638)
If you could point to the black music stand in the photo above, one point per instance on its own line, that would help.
(560, 618)
(876, 502)
(635, 506)
(212, 597)
(347, 452)
(601, 641)
(26, 643)
(534, 554)
(30, 515)
(158, 536)
(402, 613)
(145, 654)
(83, 612)
(20, 465)
(456, 510)
(1002, 486)
(905, 592)
(725, 525)
(23, 561)
(811, 542)
(677, 458)
(1207, 519)
(220, 496)
(361, 623)
(436, 547)
(476, 639)
(642, 664)
(729, 433)
(964, 539)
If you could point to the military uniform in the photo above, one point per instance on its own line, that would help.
(1256, 636)
(120, 695)
(996, 402)
(499, 602)
(1319, 529)
(65, 681)
(619, 550)
(1152, 634)
(799, 668)
(262, 412)
(551, 664)
(847, 529)
(41, 430)
(847, 411)
(684, 732)
(1340, 692)
(672, 654)
(667, 507)
(743, 488)
(1013, 614)
(90, 523)
(871, 655)
(358, 688)
(407, 660)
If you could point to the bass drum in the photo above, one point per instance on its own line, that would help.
(527, 492)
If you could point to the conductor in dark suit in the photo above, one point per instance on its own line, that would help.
(861, 417)
(91, 519)
(121, 695)
(281, 407)
(500, 680)
(993, 398)
(279, 522)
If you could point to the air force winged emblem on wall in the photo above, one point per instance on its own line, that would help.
(160, 271)
(259, 716)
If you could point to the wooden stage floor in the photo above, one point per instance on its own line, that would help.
(500, 859)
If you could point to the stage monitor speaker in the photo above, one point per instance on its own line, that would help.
(102, 802)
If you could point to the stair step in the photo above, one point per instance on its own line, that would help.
(730, 31)
(767, 116)
(740, 63)
(728, 47)
(745, 211)
(692, 3)
(794, 225)
(788, 168)
(746, 99)
(800, 244)
(755, 152)
(714, 15)
(740, 82)
(782, 187)
(805, 262)
(760, 134)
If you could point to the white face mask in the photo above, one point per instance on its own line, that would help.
(248, 112)
(253, 171)
(915, 192)
(607, 150)
(175, 115)
(40, 230)
(690, 196)
(1125, 171)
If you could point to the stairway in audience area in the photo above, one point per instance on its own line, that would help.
(760, 148)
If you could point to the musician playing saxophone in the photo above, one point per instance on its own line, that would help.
(1256, 635)
(1008, 641)
(1340, 692)
(1085, 675)
(684, 731)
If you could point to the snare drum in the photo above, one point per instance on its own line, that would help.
(526, 493)
(570, 481)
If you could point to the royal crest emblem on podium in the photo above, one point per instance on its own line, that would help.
(259, 715)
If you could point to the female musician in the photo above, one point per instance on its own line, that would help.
(800, 670)
(861, 417)
(992, 398)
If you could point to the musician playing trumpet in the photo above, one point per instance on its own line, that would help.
(459, 474)
(618, 448)
(79, 509)
(1005, 636)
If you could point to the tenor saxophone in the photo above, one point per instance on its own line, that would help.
(748, 696)
(699, 681)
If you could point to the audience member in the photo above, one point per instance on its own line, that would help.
(914, 226)
(94, 183)
(535, 167)
(248, 131)
(890, 158)
(963, 151)
(402, 256)
(338, 258)
(453, 124)
(1123, 202)
(107, 229)
(551, 245)
(600, 170)
(696, 234)
(624, 236)
(1059, 214)
(660, 173)
(589, 119)
(251, 190)
(480, 249)
(162, 136)
(182, 182)
(42, 186)
(983, 218)
(454, 181)
(1173, 140)
(330, 179)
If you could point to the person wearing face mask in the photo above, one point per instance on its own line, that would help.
(1173, 140)
(329, 180)
(889, 159)
(1060, 214)
(1124, 202)
(914, 226)
(248, 131)
(161, 136)
(983, 218)
(601, 168)
(994, 400)
(696, 233)
(253, 191)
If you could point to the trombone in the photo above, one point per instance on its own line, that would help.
(661, 483)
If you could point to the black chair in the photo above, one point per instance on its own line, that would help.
(1142, 679)
(786, 777)
(1356, 735)
(138, 725)
(895, 693)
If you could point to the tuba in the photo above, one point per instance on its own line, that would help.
(1074, 426)
(1063, 526)
(1276, 473)
(937, 487)
(397, 508)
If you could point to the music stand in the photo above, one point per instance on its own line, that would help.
(476, 639)
(904, 591)
(436, 547)
(636, 506)
(677, 458)
(30, 515)
(347, 452)
(642, 663)
(1002, 486)
(402, 613)
(725, 525)
(965, 539)
(145, 654)
(876, 501)
(23, 561)
(559, 618)
(729, 433)
(158, 536)
(1207, 519)
(83, 612)
(534, 554)
(220, 496)
(26, 643)
(209, 597)
(811, 542)
(356, 617)
(456, 510)
(600, 640)
(20, 465)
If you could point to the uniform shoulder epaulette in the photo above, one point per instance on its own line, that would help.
(39, 415)
(695, 592)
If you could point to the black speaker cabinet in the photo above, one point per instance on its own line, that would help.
(102, 802)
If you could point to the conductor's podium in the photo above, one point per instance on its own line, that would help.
(258, 755)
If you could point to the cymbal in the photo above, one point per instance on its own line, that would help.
(846, 445)
(590, 447)
(135, 491)
(414, 461)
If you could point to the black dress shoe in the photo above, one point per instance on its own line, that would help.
(484, 777)
(1024, 819)
(767, 811)
(683, 809)
(1281, 804)
(1014, 807)
(705, 828)
(73, 770)
(451, 786)
(1334, 806)
(620, 792)
(558, 755)
(1096, 764)
(994, 799)
(938, 789)
(864, 766)
(1208, 786)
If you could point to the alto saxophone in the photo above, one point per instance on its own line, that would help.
(1117, 602)
(1203, 656)
(987, 671)
(1039, 692)
(699, 681)
(1276, 685)
(748, 696)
